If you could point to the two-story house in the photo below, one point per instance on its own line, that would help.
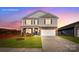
(39, 22)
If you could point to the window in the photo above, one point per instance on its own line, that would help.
(28, 22)
(36, 22)
(28, 30)
(47, 21)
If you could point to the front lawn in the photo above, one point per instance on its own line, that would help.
(71, 38)
(26, 42)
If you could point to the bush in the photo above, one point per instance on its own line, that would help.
(28, 34)
(19, 38)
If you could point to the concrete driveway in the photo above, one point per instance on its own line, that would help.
(58, 44)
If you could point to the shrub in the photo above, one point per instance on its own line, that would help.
(19, 38)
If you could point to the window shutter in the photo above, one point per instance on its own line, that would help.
(38, 21)
(44, 21)
(51, 20)
(34, 21)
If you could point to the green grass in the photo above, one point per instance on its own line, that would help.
(28, 42)
(71, 38)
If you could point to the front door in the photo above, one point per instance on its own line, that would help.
(36, 31)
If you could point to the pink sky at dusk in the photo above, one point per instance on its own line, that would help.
(65, 19)
(12, 18)
(11, 25)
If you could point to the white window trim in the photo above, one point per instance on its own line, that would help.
(36, 22)
(48, 21)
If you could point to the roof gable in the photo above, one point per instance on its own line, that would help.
(49, 16)
(40, 14)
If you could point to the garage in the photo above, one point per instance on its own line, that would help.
(78, 33)
(48, 32)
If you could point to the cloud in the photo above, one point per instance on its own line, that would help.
(11, 25)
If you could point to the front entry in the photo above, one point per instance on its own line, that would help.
(36, 31)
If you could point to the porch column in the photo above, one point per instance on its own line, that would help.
(38, 30)
(21, 31)
(33, 29)
(75, 31)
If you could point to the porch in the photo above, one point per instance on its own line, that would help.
(32, 30)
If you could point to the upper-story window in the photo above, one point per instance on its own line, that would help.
(36, 22)
(47, 21)
(28, 22)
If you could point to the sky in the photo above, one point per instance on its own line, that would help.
(10, 17)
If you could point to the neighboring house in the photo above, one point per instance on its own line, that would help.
(39, 22)
(71, 29)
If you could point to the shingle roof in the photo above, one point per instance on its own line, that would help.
(40, 14)
(69, 26)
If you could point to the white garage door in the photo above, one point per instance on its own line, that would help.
(77, 33)
(48, 32)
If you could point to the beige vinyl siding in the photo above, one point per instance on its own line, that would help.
(41, 21)
(54, 22)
